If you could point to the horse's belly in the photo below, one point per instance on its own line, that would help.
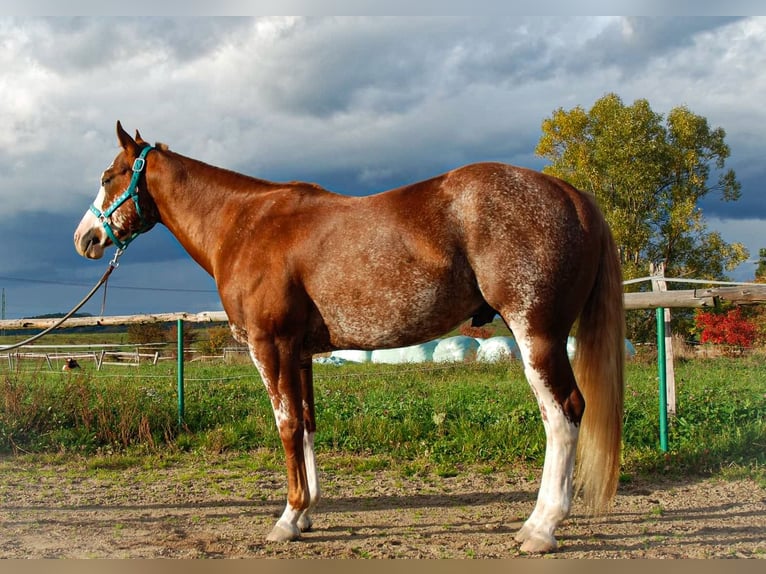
(394, 318)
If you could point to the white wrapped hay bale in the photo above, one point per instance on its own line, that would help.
(413, 354)
(387, 356)
(422, 353)
(497, 349)
(571, 344)
(455, 349)
(630, 350)
(353, 355)
(337, 361)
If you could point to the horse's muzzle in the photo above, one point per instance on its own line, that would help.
(89, 242)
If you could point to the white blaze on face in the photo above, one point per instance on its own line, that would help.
(99, 201)
(89, 236)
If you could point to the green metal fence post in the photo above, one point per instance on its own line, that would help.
(662, 370)
(180, 332)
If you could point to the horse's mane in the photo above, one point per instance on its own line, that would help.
(305, 184)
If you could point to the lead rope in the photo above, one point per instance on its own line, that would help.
(112, 266)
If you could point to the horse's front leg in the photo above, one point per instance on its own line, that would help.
(278, 365)
(309, 422)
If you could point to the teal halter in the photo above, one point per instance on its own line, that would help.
(130, 193)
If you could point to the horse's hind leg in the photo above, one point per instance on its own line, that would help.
(550, 375)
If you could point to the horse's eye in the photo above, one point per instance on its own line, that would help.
(105, 181)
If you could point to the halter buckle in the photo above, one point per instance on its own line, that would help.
(138, 164)
(117, 254)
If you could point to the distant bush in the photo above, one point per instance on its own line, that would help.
(730, 328)
(190, 336)
(145, 333)
(216, 340)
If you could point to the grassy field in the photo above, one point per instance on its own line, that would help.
(418, 417)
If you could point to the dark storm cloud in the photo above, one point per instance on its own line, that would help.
(636, 42)
(356, 104)
(83, 44)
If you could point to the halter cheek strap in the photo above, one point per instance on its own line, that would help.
(130, 193)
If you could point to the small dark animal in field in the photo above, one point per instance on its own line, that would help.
(71, 364)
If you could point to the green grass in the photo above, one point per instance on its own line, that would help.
(419, 417)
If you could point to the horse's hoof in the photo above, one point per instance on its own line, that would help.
(523, 534)
(305, 523)
(284, 533)
(537, 544)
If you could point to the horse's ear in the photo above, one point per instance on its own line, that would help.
(128, 143)
(139, 139)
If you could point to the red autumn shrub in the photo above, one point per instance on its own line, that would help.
(729, 328)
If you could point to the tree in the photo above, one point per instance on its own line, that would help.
(760, 271)
(648, 174)
(218, 338)
(145, 333)
(648, 177)
(190, 334)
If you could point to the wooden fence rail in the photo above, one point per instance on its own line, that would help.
(648, 300)
(706, 297)
(111, 320)
(106, 354)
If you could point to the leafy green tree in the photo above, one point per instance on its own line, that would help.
(218, 338)
(145, 333)
(760, 271)
(649, 174)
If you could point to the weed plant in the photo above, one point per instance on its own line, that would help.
(443, 416)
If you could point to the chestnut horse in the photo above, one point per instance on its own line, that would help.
(301, 270)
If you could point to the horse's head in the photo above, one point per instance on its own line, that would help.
(122, 209)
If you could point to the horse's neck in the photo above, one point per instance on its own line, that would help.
(191, 203)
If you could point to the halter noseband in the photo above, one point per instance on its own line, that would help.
(130, 193)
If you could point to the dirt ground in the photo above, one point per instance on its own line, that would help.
(181, 511)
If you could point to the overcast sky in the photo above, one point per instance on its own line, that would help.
(358, 105)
